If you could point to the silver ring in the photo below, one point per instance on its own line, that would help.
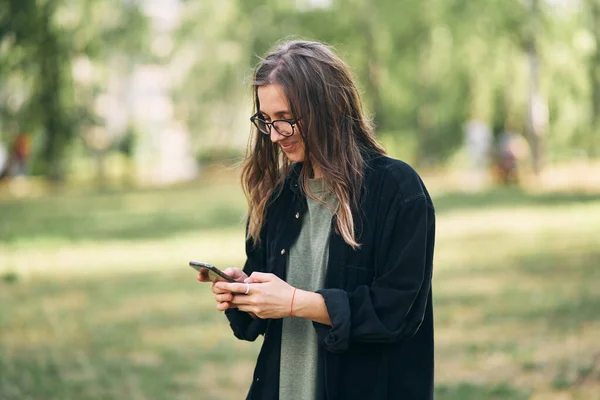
(247, 288)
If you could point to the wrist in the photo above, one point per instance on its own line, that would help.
(292, 302)
(302, 303)
(311, 306)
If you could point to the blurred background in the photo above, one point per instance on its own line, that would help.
(122, 123)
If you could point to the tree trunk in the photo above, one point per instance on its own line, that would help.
(372, 67)
(424, 110)
(100, 158)
(534, 119)
(51, 94)
(594, 9)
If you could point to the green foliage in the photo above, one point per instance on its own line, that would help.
(127, 142)
(424, 67)
(45, 38)
(9, 277)
(224, 156)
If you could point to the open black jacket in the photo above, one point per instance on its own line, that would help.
(380, 344)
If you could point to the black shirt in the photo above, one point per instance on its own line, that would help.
(380, 344)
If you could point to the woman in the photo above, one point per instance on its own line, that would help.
(339, 244)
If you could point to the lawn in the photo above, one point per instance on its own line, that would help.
(97, 300)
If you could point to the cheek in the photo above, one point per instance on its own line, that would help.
(301, 150)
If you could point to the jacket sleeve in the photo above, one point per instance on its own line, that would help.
(393, 306)
(245, 327)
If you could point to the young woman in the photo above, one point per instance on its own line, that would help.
(339, 247)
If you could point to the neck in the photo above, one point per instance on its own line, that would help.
(317, 173)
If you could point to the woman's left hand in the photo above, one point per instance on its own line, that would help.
(268, 295)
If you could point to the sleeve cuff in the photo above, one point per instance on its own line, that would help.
(244, 327)
(335, 338)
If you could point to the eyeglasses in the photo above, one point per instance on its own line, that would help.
(285, 127)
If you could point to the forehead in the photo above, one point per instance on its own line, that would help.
(273, 100)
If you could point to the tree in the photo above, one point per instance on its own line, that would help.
(424, 66)
(593, 7)
(535, 114)
(46, 36)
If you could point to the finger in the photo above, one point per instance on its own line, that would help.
(225, 306)
(231, 287)
(225, 297)
(241, 299)
(235, 273)
(202, 278)
(248, 309)
(260, 277)
(217, 290)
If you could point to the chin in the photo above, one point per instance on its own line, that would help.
(294, 157)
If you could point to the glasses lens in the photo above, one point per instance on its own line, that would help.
(261, 126)
(284, 128)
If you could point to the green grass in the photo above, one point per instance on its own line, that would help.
(97, 302)
(118, 215)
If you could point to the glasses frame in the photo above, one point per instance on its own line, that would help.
(271, 125)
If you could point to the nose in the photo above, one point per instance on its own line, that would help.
(276, 136)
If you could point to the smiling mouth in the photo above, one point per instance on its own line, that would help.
(287, 146)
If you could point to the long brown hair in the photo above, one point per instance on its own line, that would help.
(336, 133)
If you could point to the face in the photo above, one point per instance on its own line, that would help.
(274, 105)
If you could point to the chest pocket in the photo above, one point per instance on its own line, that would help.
(355, 275)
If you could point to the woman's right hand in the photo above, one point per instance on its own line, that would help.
(223, 297)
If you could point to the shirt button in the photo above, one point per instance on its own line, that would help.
(297, 215)
(282, 251)
(257, 379)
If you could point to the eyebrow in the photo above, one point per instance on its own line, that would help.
(277, 114)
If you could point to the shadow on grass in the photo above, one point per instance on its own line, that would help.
(564, 297)
(552, 287)
(469, 391)
(133, 215)
(508, 197)
(567, 315)
(160, 213)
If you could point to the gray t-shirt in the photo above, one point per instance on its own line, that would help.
(307, 264)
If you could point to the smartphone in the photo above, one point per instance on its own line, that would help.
(210, 271)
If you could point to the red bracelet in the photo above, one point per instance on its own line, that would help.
(292, 305)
